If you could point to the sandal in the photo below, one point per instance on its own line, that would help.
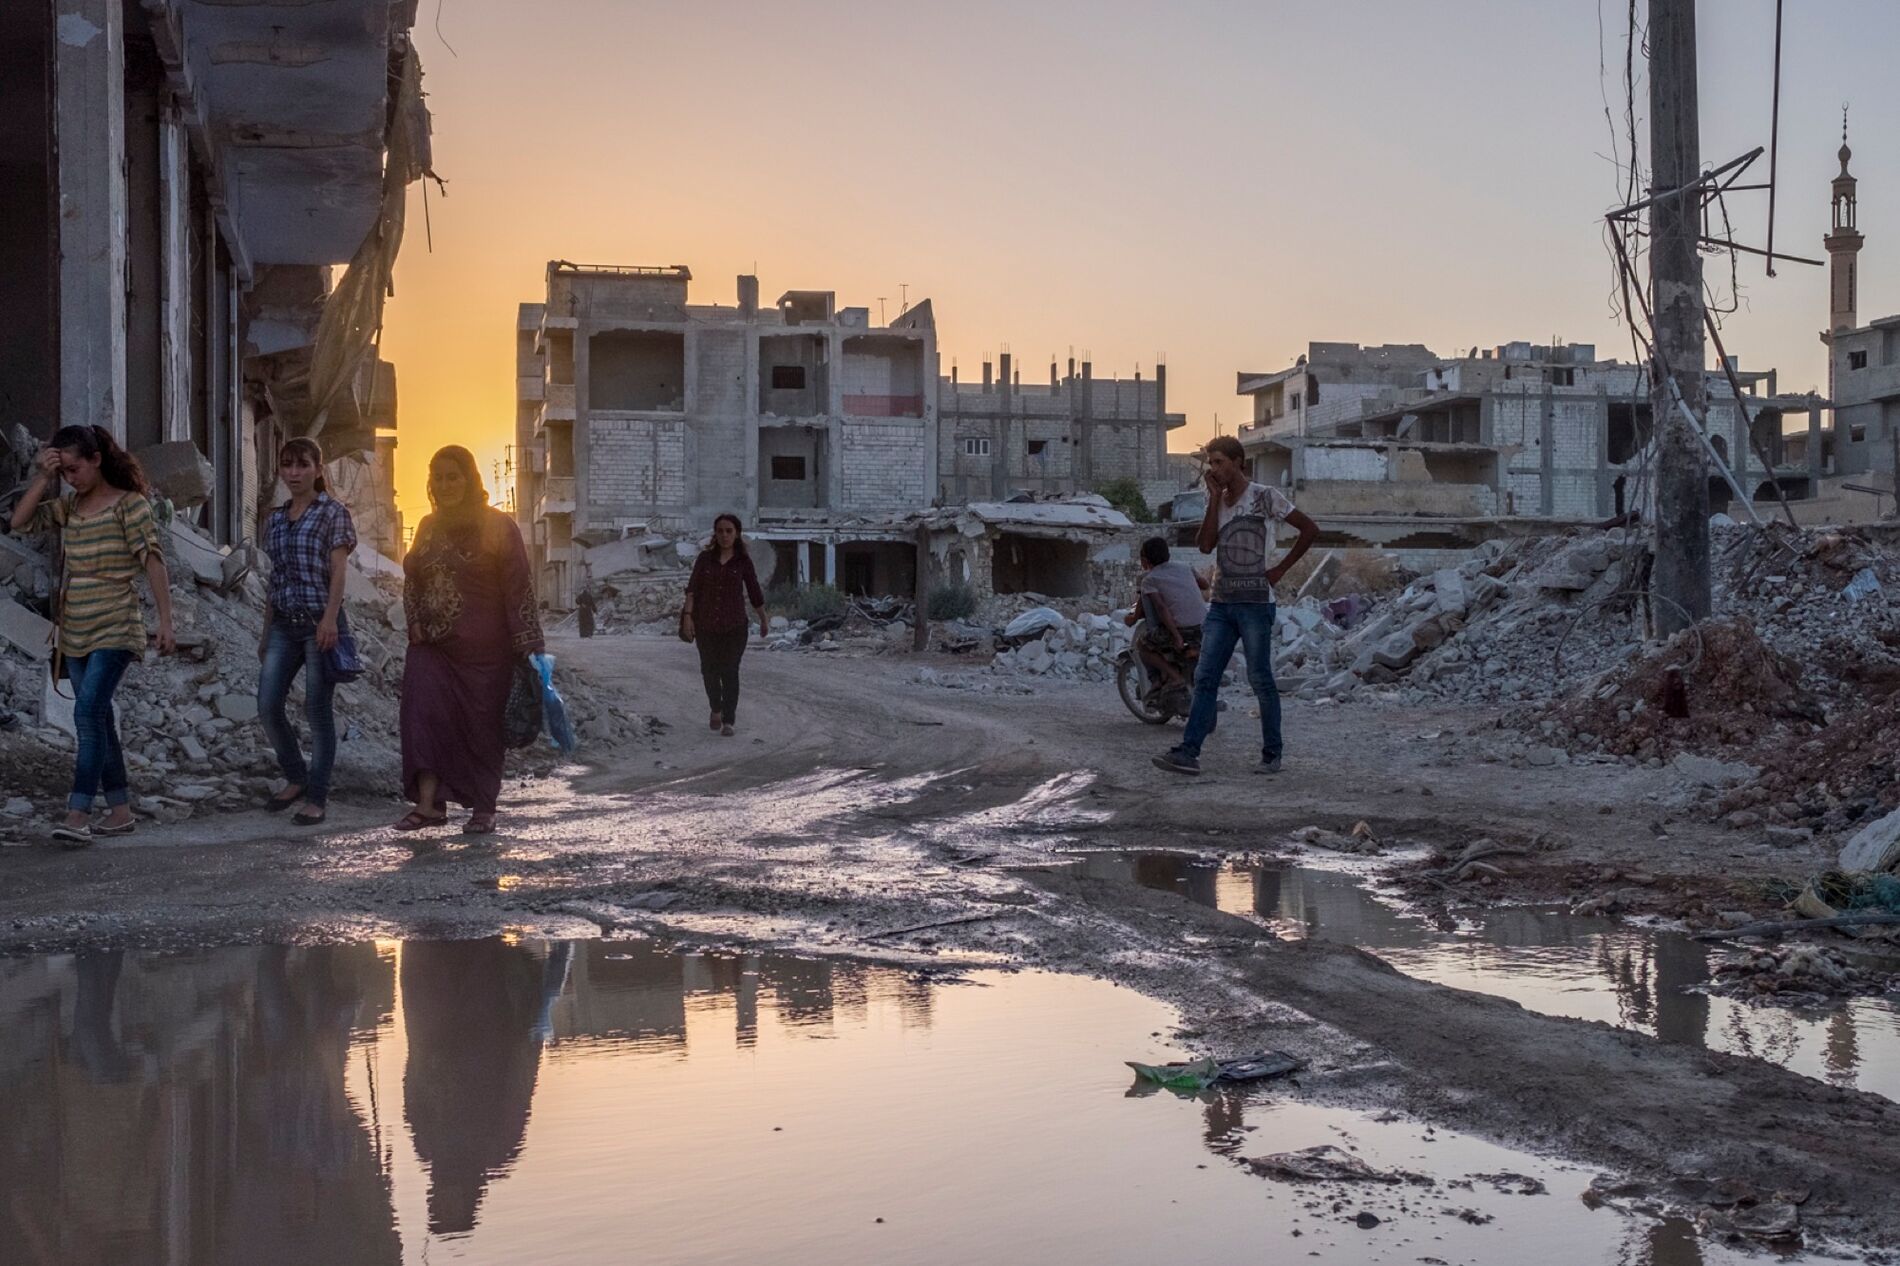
(308, 818)
(479, 824)
(716, 719)
(416, 819)
(124, 828)
(277, 804)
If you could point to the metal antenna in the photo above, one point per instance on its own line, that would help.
(903, 288)
(880, 309)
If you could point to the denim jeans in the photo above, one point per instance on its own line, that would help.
(100, 764)
(1250, 625)
(293, 646)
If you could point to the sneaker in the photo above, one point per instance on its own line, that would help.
(1268, 765)
(1176, 761)
(72, 836)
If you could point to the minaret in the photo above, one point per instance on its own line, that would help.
(1843, 245)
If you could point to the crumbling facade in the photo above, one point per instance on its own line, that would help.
(638, 411)
(1523, 430)
(999, 437)
(177, 178)
(1863, 360)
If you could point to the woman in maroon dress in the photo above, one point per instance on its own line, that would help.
(471, 609)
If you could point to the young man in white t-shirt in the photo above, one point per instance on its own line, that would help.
(1239, 530)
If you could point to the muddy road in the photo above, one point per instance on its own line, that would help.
(861, 814)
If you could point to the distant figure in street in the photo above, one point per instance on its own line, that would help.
(584, 609)
(472, 618)
(308, 539)
(1239, 529)
(107, 537)
(722, 584)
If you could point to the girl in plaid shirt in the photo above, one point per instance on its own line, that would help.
(308, 539)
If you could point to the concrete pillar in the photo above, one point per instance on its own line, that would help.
(1815, 464)
(90, 126)
(1606, 491)
(174, 191)
(831, 562)
(1547, 455)
(804, 561)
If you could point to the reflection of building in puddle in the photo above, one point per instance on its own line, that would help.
(189, 1107)
(1549, 961)
(202, 1107)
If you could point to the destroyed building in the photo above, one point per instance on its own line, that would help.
(999, 437)
(180, 177)
(640, 416)
(640, 412)
(1520, 430)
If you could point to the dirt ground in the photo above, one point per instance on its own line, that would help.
(856, 806)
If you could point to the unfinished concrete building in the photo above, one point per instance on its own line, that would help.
(169, 171)
(998, 436)
(1519, 430)
(641, 412)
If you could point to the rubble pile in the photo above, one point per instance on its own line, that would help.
(1534, 621)
(1797, 973)
(1714, 685)
(189, 722)
(1042, 642)
(1520, 622)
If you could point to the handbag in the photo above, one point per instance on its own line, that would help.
(521, 718)
(342, 663)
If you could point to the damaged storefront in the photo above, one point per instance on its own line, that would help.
(181, 178)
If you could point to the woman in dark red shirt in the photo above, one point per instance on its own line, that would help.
(723, 583)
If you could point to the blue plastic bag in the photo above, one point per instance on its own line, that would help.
(553, 707)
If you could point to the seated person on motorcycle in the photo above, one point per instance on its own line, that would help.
(1172, 600)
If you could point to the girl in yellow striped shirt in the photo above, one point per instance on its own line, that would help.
(108, 536)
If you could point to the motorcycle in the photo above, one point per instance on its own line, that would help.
(1139, 688)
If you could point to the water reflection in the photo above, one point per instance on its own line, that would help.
(199, 1108)
(1549, 961)
(514, 1101)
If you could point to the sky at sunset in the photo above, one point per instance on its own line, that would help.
(1212, 183)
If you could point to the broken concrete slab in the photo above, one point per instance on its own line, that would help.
(196, 552)
(1449, 584)
(177, 469)
(1706, 771)
(1876, 847)
(237, 707)
(26, 630)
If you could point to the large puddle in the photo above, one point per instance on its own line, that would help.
(568, 1102)
(1547, 960)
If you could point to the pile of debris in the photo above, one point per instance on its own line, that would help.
(875, 625)
(189, 722)
(1713, 685)
(1794, 973)
(1544, 618)
(1042, 642)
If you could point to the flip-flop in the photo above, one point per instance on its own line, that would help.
(308, 819)
(273, 804)
(415, 820)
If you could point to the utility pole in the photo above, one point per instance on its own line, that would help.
(1681, 575)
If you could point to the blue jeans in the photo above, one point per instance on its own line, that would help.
(1248, 624)
(293, 646)
(100, 763)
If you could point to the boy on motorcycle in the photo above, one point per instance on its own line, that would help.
(1171, 598)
